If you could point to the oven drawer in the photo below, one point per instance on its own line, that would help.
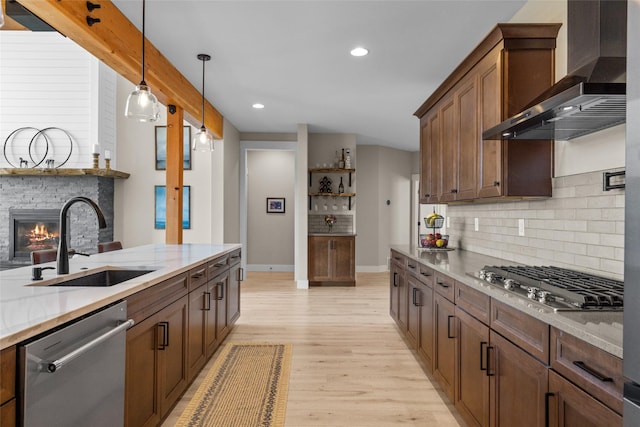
(592, 369)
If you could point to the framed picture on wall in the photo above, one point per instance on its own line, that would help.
(161, 207)
(161, 148)
(275, 204)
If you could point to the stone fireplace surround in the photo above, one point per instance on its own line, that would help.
(51, 192)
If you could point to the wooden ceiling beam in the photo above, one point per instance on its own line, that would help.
(118, 43)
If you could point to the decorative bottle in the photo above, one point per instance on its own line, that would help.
(341, 164)
(341, 187)
(347, 159)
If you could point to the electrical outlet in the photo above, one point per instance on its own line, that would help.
(521, 227)
(476, 224)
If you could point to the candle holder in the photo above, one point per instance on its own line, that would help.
(107, 163)
(96, 156)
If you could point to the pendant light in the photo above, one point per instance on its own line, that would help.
(203, 140)
(141, 103)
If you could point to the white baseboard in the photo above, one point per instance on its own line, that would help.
(371, 268)
(303, 284)
(266, 267)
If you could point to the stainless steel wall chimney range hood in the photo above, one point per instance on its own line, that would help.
(592, 96)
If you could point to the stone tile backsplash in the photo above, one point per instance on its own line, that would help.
(580, 227)
(344, 224)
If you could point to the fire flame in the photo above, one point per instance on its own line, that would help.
(40, 233)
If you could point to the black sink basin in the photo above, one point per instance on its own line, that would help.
(103, 278)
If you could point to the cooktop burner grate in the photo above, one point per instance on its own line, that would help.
(560, 285)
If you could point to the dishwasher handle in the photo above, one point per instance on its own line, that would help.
(57, 364)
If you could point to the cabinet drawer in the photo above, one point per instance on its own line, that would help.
(412, 266)
(473, 302)
(235, 257)
(445, 286)
(529, 333)
(426, 275)
(398, 259)
(589, 367)
(197, 277)
(149, 301)
(217, 266)
(7, 374)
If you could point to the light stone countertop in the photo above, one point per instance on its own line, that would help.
(602, 329)
(27, 309)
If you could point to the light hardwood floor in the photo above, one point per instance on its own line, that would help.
(350, 365)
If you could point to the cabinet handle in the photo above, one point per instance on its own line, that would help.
(395, 283)
(444, 285)
(482, 344)
(165, 335)
(496, 183)
(454, 190)
(219, 264)
(221, 287)
(207, 300)
(427, 195)
(197, 276)
(489, 348)
(411, 266)
(241, 274)
(415, 297)
(546, 408)
(425, 274)
(449, 326)
(592, 371)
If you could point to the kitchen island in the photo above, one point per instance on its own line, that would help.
(189, 292)
(491, 349)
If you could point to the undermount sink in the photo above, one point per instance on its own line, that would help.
(108, 277)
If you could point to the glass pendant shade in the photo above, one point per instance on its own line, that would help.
(142, 104)
(203, 140)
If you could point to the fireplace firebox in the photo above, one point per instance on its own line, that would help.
(32, 230)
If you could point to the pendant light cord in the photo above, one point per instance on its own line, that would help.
(143, 14)
(203, 61)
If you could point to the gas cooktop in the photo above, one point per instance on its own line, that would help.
(557, 288)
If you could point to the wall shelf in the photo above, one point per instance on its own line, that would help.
(329, 170)
(107, 173)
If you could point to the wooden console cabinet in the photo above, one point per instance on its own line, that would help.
(332, 259)
(508, 69)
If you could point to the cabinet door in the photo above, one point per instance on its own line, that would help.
(468, 140)
(518, 384)
(394, 287)
(413, 311)
(403, 301)
(199, 302)
(425, 341)
(221, 295)
(425, 160)
(8, 414)
(343, 258)
(235, 278)
(570, 406)
(210, 331)
(450, 150)
(472, 397)
(141, 380)
(172, 360)
(489, 91)
(445, 344)
(319, 256)
(434, 150)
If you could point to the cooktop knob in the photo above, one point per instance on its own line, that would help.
(490, 277)
(533, 292)
(510, 284)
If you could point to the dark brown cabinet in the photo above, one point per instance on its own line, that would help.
(570, 406)
(332, 259)
(236, 276)
(508, 69)
(395, 277)
(156, 367)
(445, 333)
(518, 385)
(8, 387)
(201, 314)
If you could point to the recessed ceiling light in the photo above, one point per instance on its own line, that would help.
(258, 106)
(359, 51)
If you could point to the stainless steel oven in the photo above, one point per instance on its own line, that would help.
(74, 376)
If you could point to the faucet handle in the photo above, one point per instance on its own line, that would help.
(37, 272)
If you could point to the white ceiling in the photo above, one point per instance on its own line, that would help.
(293, 57)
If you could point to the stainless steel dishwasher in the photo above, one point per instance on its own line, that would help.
(74, 376)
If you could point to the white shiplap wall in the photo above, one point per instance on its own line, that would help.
(46, 80)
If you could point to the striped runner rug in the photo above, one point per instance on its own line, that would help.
(246, 386)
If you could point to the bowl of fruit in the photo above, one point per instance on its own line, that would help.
(434, 240)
